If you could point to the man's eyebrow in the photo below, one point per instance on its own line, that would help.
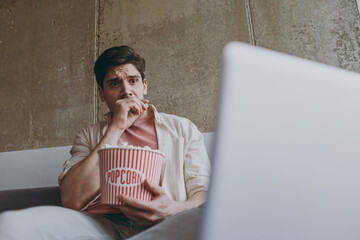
(133, 76)
(120, 78)
(113, 79)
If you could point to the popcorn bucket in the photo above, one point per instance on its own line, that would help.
(123, 171)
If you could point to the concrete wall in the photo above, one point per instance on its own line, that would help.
(321, 30)
(46, 84)
(47, 89)
(182, 43)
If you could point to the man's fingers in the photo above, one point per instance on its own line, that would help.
(158, 209)
(133, 104)
(137, 106)
(143, 103)
(134, 203)
(143, 106)
(161, 180)
(138, 216)
(146, 101)
(155, 189)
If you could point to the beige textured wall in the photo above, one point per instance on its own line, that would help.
(321, 30)
(182, 43)
(47, 52)
(46, 84)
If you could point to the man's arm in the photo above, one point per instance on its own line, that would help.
(160, 207)
(81, 184)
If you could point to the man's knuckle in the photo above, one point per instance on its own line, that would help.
(151, 209)
(153, 218)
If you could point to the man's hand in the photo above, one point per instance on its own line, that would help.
(149, 213)
(127, 110)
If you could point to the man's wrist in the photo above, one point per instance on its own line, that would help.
(112, 135)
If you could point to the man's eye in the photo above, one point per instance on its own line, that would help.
(114, 84)
(132, 80)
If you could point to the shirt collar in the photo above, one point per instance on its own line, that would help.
(156, 113)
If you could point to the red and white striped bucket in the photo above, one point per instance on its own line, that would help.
(124, 169)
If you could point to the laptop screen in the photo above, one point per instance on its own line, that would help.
(287, 150)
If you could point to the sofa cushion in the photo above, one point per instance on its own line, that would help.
(23, 198)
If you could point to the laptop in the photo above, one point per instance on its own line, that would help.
(287, 150)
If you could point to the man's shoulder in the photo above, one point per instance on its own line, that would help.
(180, 126)
(92, 128)
(171, 118)
(168, 117)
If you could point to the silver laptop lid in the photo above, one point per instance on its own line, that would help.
(287, 151)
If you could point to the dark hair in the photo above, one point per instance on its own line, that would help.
(116, 56)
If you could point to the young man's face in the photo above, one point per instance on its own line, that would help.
(120, 82)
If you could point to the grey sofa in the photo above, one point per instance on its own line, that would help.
(29, 197)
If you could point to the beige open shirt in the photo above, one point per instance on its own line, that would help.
(186, 167)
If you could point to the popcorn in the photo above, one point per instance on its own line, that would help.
(123, 170)
(126, 145)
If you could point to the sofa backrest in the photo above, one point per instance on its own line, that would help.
(41, 167)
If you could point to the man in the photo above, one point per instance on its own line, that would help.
(120, 74)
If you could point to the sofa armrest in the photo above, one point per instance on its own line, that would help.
(29, 197)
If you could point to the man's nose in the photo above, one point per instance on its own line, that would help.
(126, 91)
(128, 95)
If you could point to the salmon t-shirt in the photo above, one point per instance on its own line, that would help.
(142, 133)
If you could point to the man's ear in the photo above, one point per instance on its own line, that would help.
(145, 86)
(101, 94)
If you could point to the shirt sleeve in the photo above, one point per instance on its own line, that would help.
(197, 167)
(81, 148)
